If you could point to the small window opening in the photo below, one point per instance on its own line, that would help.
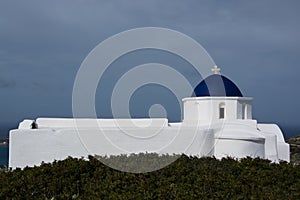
(222, 111)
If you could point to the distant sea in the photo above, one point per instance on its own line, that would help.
(290, 131)
(4, 155)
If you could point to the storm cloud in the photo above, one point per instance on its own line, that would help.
(43, 43)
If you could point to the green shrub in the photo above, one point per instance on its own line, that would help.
(186, 178)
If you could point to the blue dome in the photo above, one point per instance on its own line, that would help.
(218, 86)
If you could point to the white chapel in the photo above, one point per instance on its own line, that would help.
(217, 121)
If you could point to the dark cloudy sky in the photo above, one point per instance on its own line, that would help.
(42, 44)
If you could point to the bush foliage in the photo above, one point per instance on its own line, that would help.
(186, 178)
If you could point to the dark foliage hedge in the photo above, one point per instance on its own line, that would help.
(186, 178)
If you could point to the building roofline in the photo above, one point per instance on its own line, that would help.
(216, 98)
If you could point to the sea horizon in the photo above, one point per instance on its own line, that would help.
(4, 155)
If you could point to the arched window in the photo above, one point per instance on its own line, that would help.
(222, 111)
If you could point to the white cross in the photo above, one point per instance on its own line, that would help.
(216, 70)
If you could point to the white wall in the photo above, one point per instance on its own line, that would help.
(238, 148)
(202, 133)
(244, 108)
(283, 148)
(32, 146)
(206, 109)
(96, 123)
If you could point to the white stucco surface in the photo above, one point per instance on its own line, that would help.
(201, 133)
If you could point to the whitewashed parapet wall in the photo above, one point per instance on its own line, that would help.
(212, 126)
